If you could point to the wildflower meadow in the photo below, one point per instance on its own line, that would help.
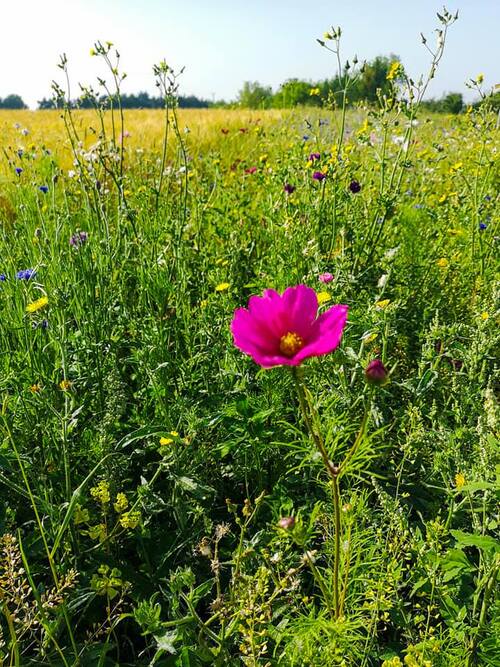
(249, 379)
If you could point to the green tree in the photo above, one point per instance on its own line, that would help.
(12, 101)
(255, 96)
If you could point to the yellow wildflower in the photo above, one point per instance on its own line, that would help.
(222, 287)
(459, 480)
(121, 503)
(442, 263)
(37, 305)
(395, 70)
(382, 304)
(323, 297)
(479, 79)
(65, 385)
(35, 388)
(485, 316)
(168, 441)
(101, 492)
(130, 519)
(314, 92)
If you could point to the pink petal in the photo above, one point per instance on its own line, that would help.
(326, 335)
(301, 306)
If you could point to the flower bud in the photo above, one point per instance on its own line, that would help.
(286, 522)
(376, 372)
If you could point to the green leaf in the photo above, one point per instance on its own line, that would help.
(479, 541)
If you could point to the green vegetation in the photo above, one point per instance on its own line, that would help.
(163, 501)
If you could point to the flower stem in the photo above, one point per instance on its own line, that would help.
(333, 471)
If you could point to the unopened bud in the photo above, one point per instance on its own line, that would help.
(376, 372)
(286, 522)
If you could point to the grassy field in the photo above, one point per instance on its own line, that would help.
(164, 499)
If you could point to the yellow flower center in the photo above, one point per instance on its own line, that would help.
(291, 343)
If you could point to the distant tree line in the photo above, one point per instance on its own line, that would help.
(12, 102)
(365, 86)
(142, 100)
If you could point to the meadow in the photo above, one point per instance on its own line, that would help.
(166, 500)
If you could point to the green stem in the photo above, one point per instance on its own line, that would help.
(333, 472)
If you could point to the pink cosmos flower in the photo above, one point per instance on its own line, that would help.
(285, 329)
(325, 278)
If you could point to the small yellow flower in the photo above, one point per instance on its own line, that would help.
(203, 303)
(65, 385)
(263, 158)
(459, 480)
(442, 263)
(101, 492)
(323, 297)
(443, 198)
(394, 70)
(485, 316)
(222, 287)
(456, 166)
(168, 441)
(479, 79)
(314, 92)
(130, 519)
(380, 305)
(121, 503)
(35, 388)
(37, 305)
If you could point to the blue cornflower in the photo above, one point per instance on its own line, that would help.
(305, 137)
(44, 189)
(44, 324)
(26, 274)
(3, 277)
(19, 171)
(482, 226)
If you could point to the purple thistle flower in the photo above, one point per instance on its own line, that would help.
(44, 189)
(314, 156)
(354, 186)
(319, 176)
(288, 188)
(78, 239)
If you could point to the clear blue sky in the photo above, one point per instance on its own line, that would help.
(225, 42)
